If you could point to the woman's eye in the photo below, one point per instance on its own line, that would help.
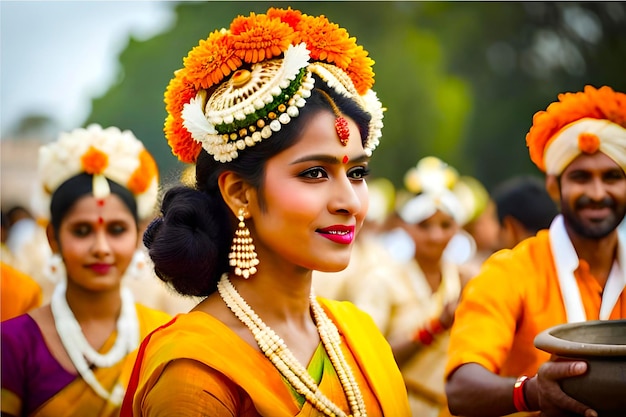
(117, 229)
(81, 230)
(314, 173)
(358, 173)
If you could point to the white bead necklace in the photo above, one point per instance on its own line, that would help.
(277, 352)
(80, 351)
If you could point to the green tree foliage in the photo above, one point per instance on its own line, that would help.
(460, 80)
(518, 56)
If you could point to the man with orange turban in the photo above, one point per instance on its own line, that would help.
(573, 272)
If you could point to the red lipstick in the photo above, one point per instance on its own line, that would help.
(341, 234)
(100, 269)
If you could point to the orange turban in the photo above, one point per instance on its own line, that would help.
(590, 121)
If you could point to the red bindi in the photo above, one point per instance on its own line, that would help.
(100, 203)
(345, 159)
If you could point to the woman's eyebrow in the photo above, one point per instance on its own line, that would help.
(329, 159)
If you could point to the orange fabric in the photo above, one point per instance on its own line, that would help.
(515, 297)
(79, 399)
(19, 294)
(244, 381)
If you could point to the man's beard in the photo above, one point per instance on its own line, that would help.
(588, 228)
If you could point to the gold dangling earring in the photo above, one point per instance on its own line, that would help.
(242, 255)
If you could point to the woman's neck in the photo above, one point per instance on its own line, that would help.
(432, 272)
(94, 305)
(274, 299)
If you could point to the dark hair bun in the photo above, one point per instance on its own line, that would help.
(188, 241)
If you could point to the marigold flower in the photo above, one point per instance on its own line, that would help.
(94, 161)
(588, 143)
(178, 93)
(602, 103)
(258, 37)
(327, 41)
(213, 59)
(360, 70)
(180, 140)
(145, 173)
(290, 16)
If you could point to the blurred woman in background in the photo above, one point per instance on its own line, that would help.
(73, 356)
(429, 285)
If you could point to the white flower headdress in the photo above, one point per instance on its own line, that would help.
(432, 180)
(104, 153)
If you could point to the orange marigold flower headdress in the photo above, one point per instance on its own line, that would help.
(588, 121)
(104, 153)
(243, 83)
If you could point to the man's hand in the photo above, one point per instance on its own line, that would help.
(551, 399)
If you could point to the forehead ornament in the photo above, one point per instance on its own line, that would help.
(341, 124)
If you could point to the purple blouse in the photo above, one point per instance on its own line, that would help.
(28, 368)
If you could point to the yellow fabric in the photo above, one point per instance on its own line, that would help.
(19, 294)
(515, 297)
(79, 399)
(11, 403)
(197, 351)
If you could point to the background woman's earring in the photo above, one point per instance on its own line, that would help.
(242, 255)
(55, 268)
(137, 266)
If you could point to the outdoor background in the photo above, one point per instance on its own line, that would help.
(460, 80)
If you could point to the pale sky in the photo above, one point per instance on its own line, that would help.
(57, 55)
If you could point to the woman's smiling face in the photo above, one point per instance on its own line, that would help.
(315, 199)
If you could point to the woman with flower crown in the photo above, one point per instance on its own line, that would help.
(278, 115)
(422, 296)
(74, 356)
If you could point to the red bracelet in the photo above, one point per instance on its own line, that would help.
(423, 336)
(436, 326)
(519, 399)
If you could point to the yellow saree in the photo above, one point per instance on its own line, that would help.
(251, 385)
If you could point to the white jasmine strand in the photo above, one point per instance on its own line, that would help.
(297, 375)
(80, 351)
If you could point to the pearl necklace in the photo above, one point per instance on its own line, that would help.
(277, 352)
(79, 349)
